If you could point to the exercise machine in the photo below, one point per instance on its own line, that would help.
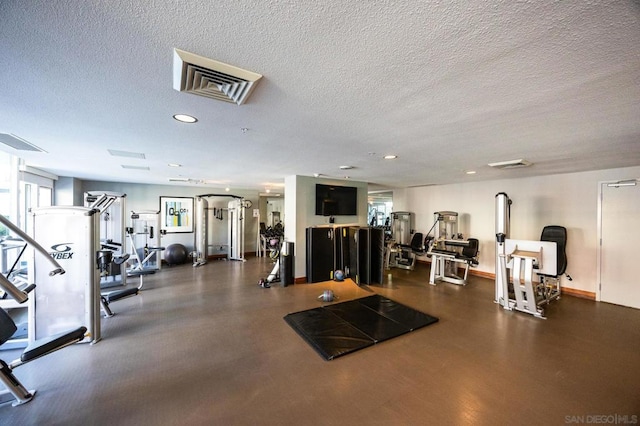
(111, 206)
(71, 235)
(235, 229)
(104, 260)
(144, 241)
(201, 216)
(235, 232)
(449, 249)
(401, 248)
(15, 391)
(523, 259)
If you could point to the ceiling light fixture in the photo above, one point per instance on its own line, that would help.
(227, 189)
(184, 118)
(470, 172)
(511, 164)
(174, 165)
(346, 167)
(390, 157)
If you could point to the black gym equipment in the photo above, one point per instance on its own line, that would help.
(342, 328)
(104, 260)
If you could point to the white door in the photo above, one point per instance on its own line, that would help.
(620, 232)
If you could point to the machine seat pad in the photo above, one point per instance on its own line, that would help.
(50, 344)
(137, 273)
(448, 252)
(112, 296)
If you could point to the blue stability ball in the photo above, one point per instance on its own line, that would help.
(175, 254)
(338, 275)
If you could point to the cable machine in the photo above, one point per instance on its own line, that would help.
(235, 231)
(112, 207)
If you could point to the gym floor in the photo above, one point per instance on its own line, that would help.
(208, 346)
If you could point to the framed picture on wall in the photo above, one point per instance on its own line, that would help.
(176, 214)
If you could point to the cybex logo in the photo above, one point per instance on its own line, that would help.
(62, 251)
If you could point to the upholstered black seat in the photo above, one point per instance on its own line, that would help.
(558, 235)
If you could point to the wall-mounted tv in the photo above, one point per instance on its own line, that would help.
(333, 200)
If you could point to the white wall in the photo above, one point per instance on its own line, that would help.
(569, 200)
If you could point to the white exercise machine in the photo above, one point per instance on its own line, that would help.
(71, 235)
(144, 241)
(449, 250)
(525, 258)
(521, 259)
(235, 227)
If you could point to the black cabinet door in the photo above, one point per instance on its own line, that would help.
(342, 249)
(320, 254)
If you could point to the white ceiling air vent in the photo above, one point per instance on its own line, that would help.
(511, 164)
(212, 79)
(17, 143)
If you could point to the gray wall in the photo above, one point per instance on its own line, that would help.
(147, 197)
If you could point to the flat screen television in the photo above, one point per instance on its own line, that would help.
(334, 200)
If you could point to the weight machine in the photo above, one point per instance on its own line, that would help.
(16, 392)
(449, 249)
(235, 231)
(72, 236)
(111, 206)
(404, 243)
(523, 258)
(144, 240)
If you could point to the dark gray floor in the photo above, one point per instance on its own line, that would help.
(207, 346)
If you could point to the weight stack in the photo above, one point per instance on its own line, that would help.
(287, 264)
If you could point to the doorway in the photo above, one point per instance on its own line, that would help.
(619, 236)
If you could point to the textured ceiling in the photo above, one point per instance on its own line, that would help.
(446, 86)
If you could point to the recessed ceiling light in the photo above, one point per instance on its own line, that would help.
(390, 157)
(346, 167)
(184, 118)
(174, 165)
(227, 189)
(470, 172)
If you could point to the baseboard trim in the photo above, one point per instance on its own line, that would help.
(583, 294)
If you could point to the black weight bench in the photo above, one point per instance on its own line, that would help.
(113, 296)
(37, 349)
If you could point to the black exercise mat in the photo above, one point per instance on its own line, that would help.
(327, 333)
(346, 327)
(370, 322)
(403, 314)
